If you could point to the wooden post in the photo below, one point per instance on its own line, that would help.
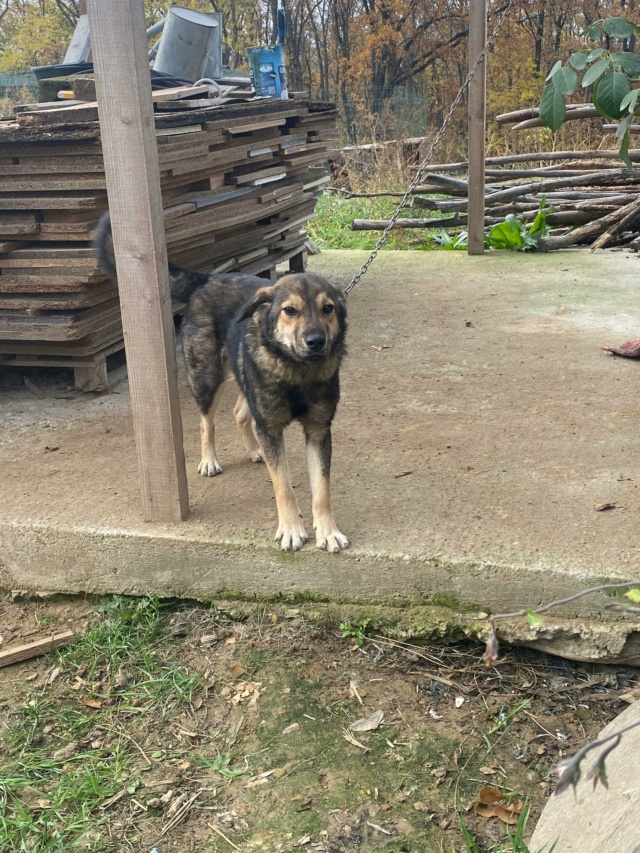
(477, 125)
(123, 87)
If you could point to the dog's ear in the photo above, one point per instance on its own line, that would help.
(262, 295)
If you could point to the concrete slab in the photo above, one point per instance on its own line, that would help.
(479, 426)
(602, 818)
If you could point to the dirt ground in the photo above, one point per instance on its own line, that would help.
(171, 726)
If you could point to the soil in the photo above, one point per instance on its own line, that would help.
(277, 693)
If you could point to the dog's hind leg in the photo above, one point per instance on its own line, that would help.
(244, 421)
(291, 533)
(318, 440)
(209, 465)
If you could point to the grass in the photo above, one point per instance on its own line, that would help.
(331, 226)
(72, 748)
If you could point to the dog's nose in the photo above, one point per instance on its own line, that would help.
(315, 341)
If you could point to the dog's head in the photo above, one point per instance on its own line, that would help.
(302, 316)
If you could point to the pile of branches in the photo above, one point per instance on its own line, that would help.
(596, 200)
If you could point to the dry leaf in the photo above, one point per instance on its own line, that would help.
(604, 506)
(630, 349)
(490, 795)
(177, 804)
(55, 672)
(368, 723)
(237, 670)
(91, 703)
(507, 814)
(292, 728)
(439, 772)
(66, 751)
(488, 771)
(433, 714)
(445, 823)
(488, 806)
(459, 701)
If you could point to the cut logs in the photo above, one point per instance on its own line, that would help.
(239, 182)
(595, 200)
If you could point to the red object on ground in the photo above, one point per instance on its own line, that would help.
(631, 349)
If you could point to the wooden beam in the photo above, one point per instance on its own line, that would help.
(477, 125)
(123, 87)
(36, 648)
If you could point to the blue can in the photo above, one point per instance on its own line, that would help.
(267, 70)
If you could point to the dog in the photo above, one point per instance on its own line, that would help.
(284, 344)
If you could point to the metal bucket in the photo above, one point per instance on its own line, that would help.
(188, 40)
(268, 74)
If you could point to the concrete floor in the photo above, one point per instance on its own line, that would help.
(479, 426)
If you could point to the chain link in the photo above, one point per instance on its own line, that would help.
(427, 160)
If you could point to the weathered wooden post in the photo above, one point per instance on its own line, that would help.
(477, 113)
(123, 87)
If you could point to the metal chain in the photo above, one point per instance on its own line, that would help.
(423, 166)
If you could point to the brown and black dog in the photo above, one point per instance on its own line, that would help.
(284, 344)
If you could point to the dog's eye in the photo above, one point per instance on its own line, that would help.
(328, 308)
(290, 311)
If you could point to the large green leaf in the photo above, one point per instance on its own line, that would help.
(629, 101)
(596, 53)
(593, 33)
(623, 127)
(508, 234)
(595, 72)
(627, 62)
(618, 27)
(609, 94)
(565, 81)
(624, 151)
(552, 107)
(578, 60)
(556, 67)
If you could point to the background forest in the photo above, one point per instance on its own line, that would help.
(393, 66)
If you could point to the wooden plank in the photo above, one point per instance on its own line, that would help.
(44, 284)
(477, 126)
(53, 202)
(177, 92)
(41, 166)
(65, 115)
(37, 303)
(60, 182)
(119, 47)
(36, 648)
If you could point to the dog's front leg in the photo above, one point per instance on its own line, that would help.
(291, 533)
(318, 442)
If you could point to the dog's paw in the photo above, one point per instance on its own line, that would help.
(291, 536)
(329, 538)
(209, 468)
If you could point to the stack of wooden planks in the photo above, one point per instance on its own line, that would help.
(239, 182)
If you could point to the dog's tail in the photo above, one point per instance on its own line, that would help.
(182, 282)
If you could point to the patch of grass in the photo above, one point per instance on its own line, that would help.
(331, 226)
(68, 750)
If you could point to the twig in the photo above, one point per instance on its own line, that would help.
(223, 836)
(567, 600)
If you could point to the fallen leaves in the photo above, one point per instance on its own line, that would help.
(369, 723)
(604, 506)
(630, 349)
(493, 803)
